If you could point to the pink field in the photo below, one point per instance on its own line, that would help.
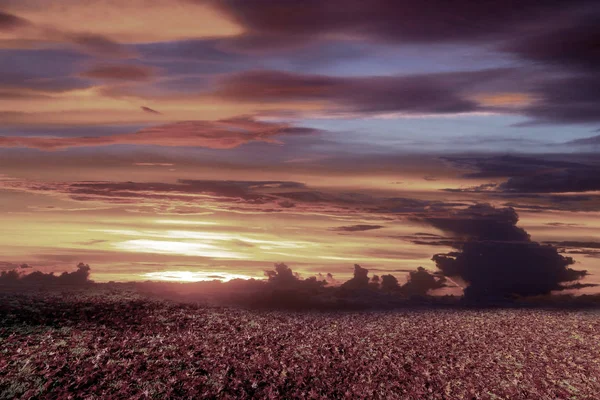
(125, 346)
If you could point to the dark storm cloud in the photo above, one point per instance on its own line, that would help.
(498, 258)
(505, 268)
(481, 221)
(123, 72)
(441, 93)
(356, 228)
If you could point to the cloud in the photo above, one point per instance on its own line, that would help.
(19, 94)
(10, 21)
(421, 281)
(568, 39)
(575, 244)
(442, 93)
(482, 222)
(150, 110)
(567, 42)
(495, 269)
(557, 181)
(497, 259)
(555, 80)
(589, 141)
(237, 192)
(99, 45)
(92, 242)
(184, 193)
(7, 266)
(41, 71)
(557, 42)
(285, 289)
(531, 175)
(507, 165)
(221, 134)
(356, 228)
(359, 281)
(43, 33)
(80, 277)
(153, 164)
(561, 224)
(253, 197)
(123, 72)
(388, 20)
(572, 99)
(134, 21)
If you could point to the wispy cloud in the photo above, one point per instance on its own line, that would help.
(221, 134)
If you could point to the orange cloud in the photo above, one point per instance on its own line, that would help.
(133, 21)
(505, 99)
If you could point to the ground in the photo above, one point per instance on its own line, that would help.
(79, 344)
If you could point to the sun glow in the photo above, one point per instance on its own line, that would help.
(182, 248)
(193, 276)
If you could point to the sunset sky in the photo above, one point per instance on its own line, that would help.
(182, 139)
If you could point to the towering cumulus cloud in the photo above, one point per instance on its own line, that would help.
(496, 258)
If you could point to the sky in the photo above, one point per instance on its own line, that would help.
(183, 139)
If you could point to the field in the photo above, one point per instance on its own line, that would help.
(124, 345)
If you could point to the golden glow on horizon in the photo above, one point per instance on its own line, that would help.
(127, 241)
(182, 222)
(193, 276)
